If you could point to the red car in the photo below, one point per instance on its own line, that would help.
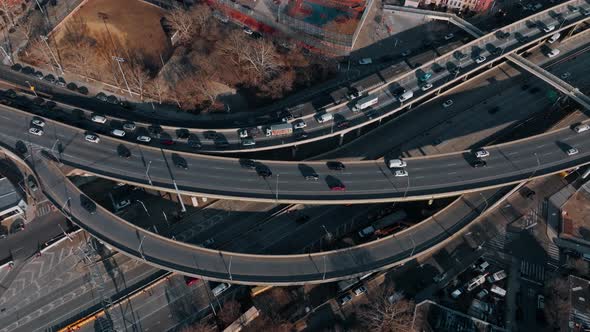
(338, 187)
(190, 281)
(167, 142)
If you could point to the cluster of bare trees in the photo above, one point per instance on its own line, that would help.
(557, 302)
(189, 23)
(381, 315)
(10, 9)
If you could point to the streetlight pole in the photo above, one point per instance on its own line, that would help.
(140, 248)
(119, 60)
(7, 55)
(44, 39)
(53, 149)
(486, 201)
(183, 208)
(277, 189)
(147, 173)
(144, 208)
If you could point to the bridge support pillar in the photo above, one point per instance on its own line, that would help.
(358, 132)
(294, 151)
(438, 91)
(572, 29)
(341, 139)
(465, 78)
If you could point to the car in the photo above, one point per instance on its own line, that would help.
(88, 204)
(49, 78)
(27, 70)
(50, 105)
(36, 131)
(263, 171)
(342, 124)
(365, 61)
(208, 243)
(248, 31)
(72, 86)
(61, 82)
(528, 193)
(248, 141)
(480, 59)
(353, 93)
(112, 100)
(400, 173)
(182, 133)
(98, 118)
(406, 52)
(481, 153)
(10, 93)
(210, 134)
(573, 9)
(449, 36)
(426, 86)
(118, 132)
(144, 139)
(312, 176)
(572, 151)
(343, 300)
(565, 75)
(581, 128)
(479, 163)
(335, 165)
(549, 28)
(248, 163)
(38, 122)
(21, 147)
(585, 11)
(496, 51)
(448, 103)
(92, 138)
(179, 162)
(459, 55)
(38, 75)
(502, 34)
(243, 133)
(337, 187)
(101, 96)
(83, 90)
(299, 124)
(123, 151)
(130, 126)
(16, 67)
(190, 281)
(300, 136)
(166, 141)
(32, 183)
(482, 294)
(220, 289)
(360, 290)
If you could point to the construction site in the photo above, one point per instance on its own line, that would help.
(324, 26)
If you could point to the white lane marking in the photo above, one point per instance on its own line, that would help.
(513, 153)
(451, 173)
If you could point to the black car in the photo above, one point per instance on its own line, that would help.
(101, 96)
(72, 86)
(21, 147)
(16, 67)
(179, 161)
(123, 151)
(10, 93)
(263, 171)
(49, 78)
(221, 143)
(479, 163)
(87, 204)
(182, 133)
(27, 70)
(398, 92)
(50, 104)
(210, 134)
(83, 90)
(300, 135)
(248, 163)
(112, 100)
(353, 93)
(32, 183)
(194, 142)
(286, 116)
(61, 81)
(38, 75)
(335, 165)
(528, 193)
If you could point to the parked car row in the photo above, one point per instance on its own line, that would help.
(50, 78)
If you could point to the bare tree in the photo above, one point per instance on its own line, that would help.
(31, 25)
(384, 316)
(9, 8)
(230, 311)
(557, 304)
(81, 60)
(200, 327)
(201, 17)
(261, 59)
(157, 87)
(183, 23)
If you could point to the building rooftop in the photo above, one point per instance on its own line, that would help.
(580, 301)
(442, 319)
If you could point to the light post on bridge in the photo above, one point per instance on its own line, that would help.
(119, 60)
(147, 173)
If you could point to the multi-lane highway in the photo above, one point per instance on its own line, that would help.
(385, 85)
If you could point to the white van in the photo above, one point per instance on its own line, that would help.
(220, 289)
(397, 163)
(498, 290)
(118, 132)
(321, 118)
(581, 128)
(407, 95)
(98, 118)
(554, 38)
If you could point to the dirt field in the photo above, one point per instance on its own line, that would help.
(135, 23)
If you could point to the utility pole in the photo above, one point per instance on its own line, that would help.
(119, 61)
(183, 208)
(32, 88)
(44, 39)
(147, 173)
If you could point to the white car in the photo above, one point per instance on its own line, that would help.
(248, 142)
(92, 138)
(299, 124)
(243, 133)
(572, 151)
(549, 28)
(449, 36)
(145, 139)
(220, 289)
(581, 128)
(360, 291)
(118, 132)
(480, 59)
(426, 86)
(248, 31)
(365, 61)
(481, 153)
(36, 131)
(401, 173)
(38, 122)
(448, 103)
(98, 119)
(553, 53)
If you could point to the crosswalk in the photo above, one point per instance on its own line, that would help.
(532, 272)
(552, 253)
(44, 208)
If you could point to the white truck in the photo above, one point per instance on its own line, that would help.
(324, 117)
(365, 102)
(279, 129)
(405, 96)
